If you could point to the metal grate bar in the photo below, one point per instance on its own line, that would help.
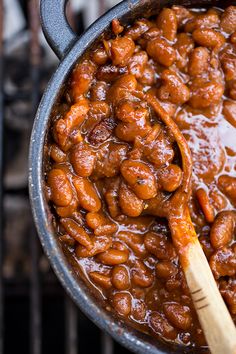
(71, 329)
(107, 344)
(1, 175)
(35, 290)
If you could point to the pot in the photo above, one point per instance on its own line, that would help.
(69, 49)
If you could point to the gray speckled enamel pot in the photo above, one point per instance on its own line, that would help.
(69, 48)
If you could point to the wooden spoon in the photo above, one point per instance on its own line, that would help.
(216, 322)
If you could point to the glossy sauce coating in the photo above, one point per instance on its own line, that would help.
(113, 164)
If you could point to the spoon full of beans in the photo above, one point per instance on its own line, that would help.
(213, 315)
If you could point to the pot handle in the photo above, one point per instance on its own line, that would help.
(55, 26)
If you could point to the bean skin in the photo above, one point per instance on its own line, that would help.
(140, 178)
(199, 61)
(141, 275)
(228, 20)
(165, 270)
(77, 232)
(82, 77)
(130, 204)
(170, 177)
(87, 195)
(100, 279)
(173, 89)
(159, 50)
(122, 49)
(113, 257)
(167, 22)
(122, 303)
(57, 154)
(83, 160)
(178, 315)
(120, 277)
(61, 191)
(208, 38)
(222, 230)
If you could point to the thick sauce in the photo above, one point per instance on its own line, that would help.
(113, 164)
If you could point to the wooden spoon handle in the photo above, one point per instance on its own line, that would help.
(216, 322)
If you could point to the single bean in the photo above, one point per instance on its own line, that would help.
(98, 112)
(208, 38)
(141, 275)
(198, 61)
(178, 315)
(82, 77)
(167, 22)
(166, 269)
(61, 190)
(139, 310)
(77, 232)
(170, 177)
(122, 49)
(205, 204)
(57, 154)
(101, 279)
(122, 88)
(87, 194)
(113, 257)
(111, 197)
(159, 50)
(137, 64)
(98, 91)
(184, 46)
(130, 204)
(222, 230)
(140, 178)
(228, 20)
(120, 277)
(157, 147)
(122, 303)
(228, 62)
(173, 88)
(83, 159)
(205, 20)
(99, 56)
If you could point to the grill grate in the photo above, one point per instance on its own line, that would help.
(37, 314)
